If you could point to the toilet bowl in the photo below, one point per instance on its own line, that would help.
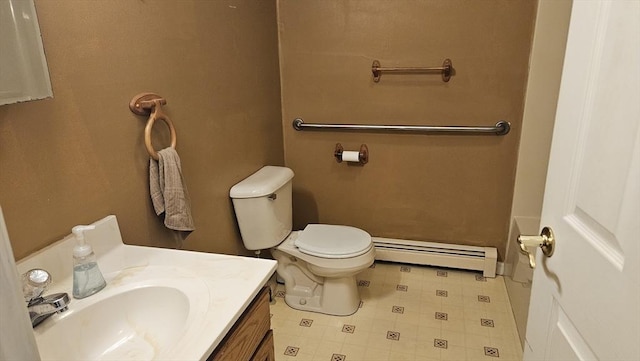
(318, 264)
(317, 283)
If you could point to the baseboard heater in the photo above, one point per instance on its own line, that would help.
(437, 254)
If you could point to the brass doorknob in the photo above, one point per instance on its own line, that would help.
(545, 241)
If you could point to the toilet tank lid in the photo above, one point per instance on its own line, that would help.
(265, 181)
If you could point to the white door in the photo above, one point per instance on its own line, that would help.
(585, 302)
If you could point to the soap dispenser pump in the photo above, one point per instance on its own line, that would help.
(87, 278)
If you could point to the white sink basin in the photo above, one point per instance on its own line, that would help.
(143, 321)
(159, 304)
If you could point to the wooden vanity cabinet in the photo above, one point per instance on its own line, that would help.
(251, 338)
(265, 351)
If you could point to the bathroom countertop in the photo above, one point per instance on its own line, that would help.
(222, 286)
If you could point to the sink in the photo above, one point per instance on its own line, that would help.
(145, 321)
(159, 304)
(127, 325)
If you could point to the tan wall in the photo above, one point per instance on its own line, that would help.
(454, 189)
(81, 156)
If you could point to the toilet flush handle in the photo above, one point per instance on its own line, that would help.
(272, 196)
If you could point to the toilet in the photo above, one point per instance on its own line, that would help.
(318, 264)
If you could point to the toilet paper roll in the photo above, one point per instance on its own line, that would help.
(351, 156)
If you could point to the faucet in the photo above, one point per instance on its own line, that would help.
(34, 282)
(42, 308)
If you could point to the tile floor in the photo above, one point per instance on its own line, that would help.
(407, 312)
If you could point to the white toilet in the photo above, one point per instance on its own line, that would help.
(319, 263)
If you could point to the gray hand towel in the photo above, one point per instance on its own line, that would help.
(169, 192)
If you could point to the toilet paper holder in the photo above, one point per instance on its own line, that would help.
(363, 154)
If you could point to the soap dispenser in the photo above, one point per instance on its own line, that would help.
(87, 278)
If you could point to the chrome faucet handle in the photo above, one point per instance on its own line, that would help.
(42, 308)
(56, 302)
(34, 282)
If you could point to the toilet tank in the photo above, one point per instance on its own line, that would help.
(262, 203)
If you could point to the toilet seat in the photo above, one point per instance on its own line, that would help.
(332, 241)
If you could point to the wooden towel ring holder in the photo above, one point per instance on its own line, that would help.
(151, 104)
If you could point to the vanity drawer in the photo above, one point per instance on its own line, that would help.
(265, 352)
(245, 336)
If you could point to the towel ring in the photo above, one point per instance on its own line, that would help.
(150, 103)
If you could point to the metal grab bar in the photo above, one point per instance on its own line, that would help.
(446, 69)
(501, 128)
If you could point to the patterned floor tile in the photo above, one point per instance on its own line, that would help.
(291, 351)
(306, 322)
(348, 328)
(490, 351)
(440, 314)
(393, 335)
(440, 343)
(486, 322)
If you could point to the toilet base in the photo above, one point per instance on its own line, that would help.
(319, 284)
(335, 296)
